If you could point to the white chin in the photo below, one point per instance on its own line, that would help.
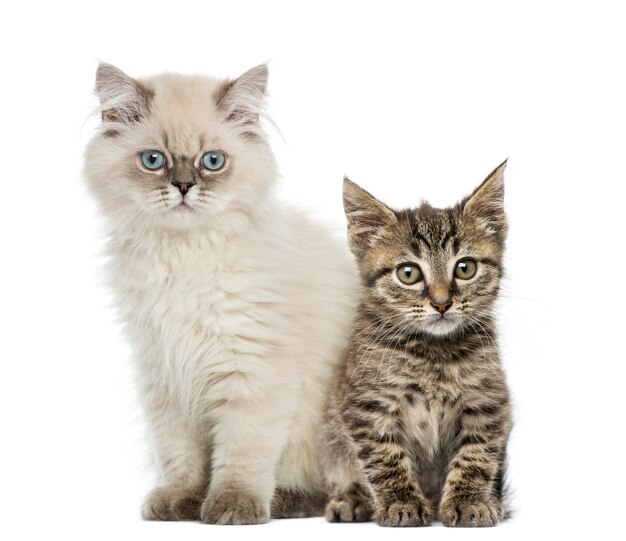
(181, 217)
(440, 326)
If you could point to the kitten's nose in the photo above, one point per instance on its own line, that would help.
(184, 185)
(441, 307)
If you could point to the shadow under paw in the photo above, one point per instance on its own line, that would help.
(171, 503)
(234, 507)
(467, 513)
(348, 509)
(403, 514)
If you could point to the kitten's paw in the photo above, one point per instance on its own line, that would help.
(347, 509)
(403, 513)
(171, 503)
(234, 507)
(467, 513)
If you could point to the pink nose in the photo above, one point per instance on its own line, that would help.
(441, 307)
(184, 186)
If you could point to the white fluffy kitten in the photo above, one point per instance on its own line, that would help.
(237, 308)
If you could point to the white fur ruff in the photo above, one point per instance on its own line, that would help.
(235, 341)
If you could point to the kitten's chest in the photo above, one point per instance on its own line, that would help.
(431, 426)
(183, 304)
(432, 412)
(186, 291)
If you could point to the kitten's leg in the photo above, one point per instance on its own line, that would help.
(350, 500)
(472, 494)
(183, 463)
(294, 503)
(249, 436)
(377, 434)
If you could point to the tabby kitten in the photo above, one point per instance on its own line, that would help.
(236, 306)
(419, 418)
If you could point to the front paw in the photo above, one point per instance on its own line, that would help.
(234, 507)
(347, 509)
(415, 512)
(171, 503)
(470, 513)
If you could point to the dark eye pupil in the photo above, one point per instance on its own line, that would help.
(463, 267)
(153, 158)
(408, 271)
(213, 159)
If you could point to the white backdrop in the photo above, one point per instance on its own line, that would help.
(412, 100)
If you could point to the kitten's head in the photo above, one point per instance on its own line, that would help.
(430, 270)
(179, 151)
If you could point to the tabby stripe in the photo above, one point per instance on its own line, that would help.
(372, 406)
(473, 439)
(373, 278)
(490, 262)
(471, 472)
(483, 409)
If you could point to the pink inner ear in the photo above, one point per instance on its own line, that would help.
(109, 116)
(241, 99)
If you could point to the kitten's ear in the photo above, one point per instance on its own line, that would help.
(241, 100)
(486, 205)
(123, 100)
(368, 218)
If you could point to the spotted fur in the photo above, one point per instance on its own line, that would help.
(418, 421)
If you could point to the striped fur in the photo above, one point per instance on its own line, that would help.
(418, 421)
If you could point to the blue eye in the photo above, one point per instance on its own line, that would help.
(214, 160)
(152, 159)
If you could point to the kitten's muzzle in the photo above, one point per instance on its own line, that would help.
(184, 185)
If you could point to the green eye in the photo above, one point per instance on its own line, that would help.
(465, 269)
(409, 274)
(214, 160)
(152, 159)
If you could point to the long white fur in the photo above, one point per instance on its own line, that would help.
(236, 313)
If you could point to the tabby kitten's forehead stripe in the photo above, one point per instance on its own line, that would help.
(420, 415)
